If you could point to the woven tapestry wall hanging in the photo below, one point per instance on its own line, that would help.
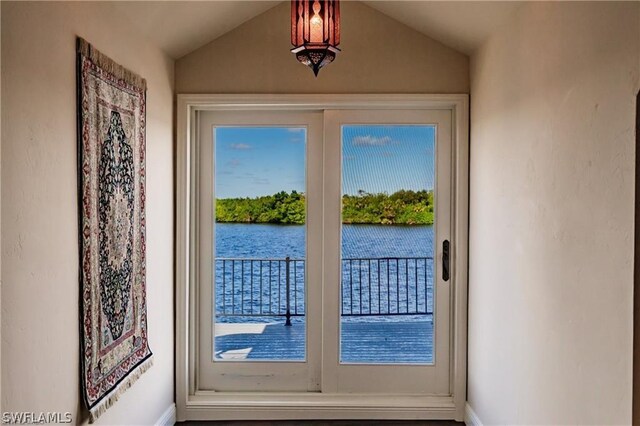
(111, 179)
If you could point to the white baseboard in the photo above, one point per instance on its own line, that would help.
(168, 418)
(470, 416)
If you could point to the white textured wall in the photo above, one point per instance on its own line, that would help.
(552, 215)
(39, 225)
(380, 55)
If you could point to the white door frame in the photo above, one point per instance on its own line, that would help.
(195, 404)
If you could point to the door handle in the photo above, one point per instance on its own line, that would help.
(445, 260)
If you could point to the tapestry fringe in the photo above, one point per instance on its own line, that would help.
(109, 65)
(114, 395)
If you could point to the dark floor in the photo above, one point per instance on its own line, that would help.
(328, 423)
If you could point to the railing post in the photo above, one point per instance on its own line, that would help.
(288, 281)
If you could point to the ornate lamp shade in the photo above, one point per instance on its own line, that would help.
(315, 31)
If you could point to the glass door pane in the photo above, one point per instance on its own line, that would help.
(388, 181)
(260, 243)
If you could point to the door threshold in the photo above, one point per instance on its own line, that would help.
(211, 405)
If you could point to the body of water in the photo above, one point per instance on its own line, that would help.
(371, 284)
(236, 240)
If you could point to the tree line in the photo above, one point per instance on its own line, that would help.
(400, 208)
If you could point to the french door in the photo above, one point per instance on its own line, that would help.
(324, 251)
(253, 270)
(389, 292)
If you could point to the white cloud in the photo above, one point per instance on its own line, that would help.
(369, 140)
(240, 146)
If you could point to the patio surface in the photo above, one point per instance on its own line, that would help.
(378, 342)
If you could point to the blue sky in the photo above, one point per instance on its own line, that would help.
(387, 158)
(254, 161)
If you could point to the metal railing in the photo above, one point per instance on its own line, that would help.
(387, 286)
(260, 287)
(370, 287)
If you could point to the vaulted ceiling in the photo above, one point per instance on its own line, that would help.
(180, 27)
(461, 25)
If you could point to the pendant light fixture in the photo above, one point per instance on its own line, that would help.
(315, 32)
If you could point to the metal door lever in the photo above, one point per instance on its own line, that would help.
(445, 260)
